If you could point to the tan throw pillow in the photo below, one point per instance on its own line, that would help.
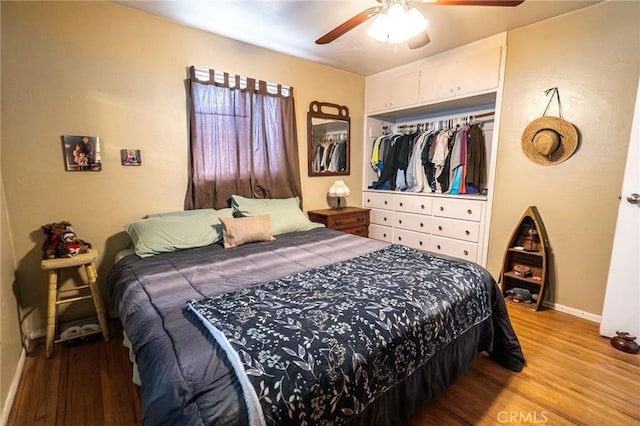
(242, 230)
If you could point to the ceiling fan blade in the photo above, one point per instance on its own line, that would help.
(508, 3)
(419, 41)
(349, 25)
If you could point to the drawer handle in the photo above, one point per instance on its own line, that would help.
(466, 253)
(467, 232)
(384, 235)
(469, 211)
(368, 200)
(422, 206)
(361, 219)
(359, 231)
(420, 242)
(338, 221)
(385, 203)
(439, 228)
(438, 247)
(441, 208)
(399, 238)
(421, 225)
(384, 219)
(400, 221)
(401, 204)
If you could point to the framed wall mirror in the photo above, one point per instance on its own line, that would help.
(328, 138)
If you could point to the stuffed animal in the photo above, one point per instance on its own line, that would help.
(62, 241)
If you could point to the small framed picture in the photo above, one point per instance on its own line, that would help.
(82, 153)
(130, 157)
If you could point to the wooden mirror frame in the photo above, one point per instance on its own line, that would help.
(337, 121)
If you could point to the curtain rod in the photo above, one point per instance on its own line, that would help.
(202, 74)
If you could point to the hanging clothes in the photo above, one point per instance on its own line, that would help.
(444, 161)
(476, 162)
(394, 160)
(330, 154)
(455, 161)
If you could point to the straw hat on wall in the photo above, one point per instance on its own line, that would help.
(549, 140)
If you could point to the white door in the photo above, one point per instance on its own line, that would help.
(621, 311)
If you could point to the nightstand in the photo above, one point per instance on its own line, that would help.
(353, 220)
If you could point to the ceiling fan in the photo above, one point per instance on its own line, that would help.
(397, 22)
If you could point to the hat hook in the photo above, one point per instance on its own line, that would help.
(553, 91)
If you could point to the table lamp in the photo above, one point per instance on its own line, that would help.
(339, 190)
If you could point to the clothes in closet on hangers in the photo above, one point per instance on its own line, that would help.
(442, 161)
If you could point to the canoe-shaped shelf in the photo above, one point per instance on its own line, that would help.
(524, 267)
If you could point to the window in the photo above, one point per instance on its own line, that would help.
(243, 140)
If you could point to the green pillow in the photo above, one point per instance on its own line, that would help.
(228, 212)
(166, 234)
(286, 215)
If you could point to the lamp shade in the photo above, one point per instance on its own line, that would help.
(339, 189)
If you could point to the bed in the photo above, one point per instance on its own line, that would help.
(315, 327)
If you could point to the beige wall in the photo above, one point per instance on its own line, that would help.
(102, 69)
(10, 338)
(592, 56)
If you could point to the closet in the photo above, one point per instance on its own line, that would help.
(448, 92)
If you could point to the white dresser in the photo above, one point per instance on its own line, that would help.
(450, 225)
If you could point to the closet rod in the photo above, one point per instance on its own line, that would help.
(470, 118)
(452, 119)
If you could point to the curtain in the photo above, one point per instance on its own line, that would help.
(243, 141)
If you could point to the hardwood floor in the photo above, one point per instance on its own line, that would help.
(573, 376)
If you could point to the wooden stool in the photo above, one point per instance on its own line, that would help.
(54, 266)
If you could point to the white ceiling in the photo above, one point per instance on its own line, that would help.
(292, 26)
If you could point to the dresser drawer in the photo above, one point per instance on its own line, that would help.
(456, 248)
(411, 222)
(412, 204)
(452, 228)
(377, 201)
(382, 217)
(383, 233)
(458, 209)
(416, 240)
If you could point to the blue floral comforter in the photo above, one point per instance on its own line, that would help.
(319, 346)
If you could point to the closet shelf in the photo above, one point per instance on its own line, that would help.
(435, 109)
(478, 197)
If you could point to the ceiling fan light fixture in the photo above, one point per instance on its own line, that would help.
(419, 41)
(397, 25)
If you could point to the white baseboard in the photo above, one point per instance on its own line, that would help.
(572, 311)
(8, 403)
